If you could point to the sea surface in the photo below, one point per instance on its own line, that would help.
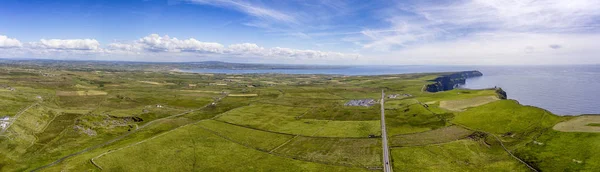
(563, 90)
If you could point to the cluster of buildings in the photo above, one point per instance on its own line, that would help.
(4, 121)
(394, 96)
(361, 102)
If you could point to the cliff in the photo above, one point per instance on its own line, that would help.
(501, 93)
(450, 81)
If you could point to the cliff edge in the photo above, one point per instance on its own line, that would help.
(450, 81)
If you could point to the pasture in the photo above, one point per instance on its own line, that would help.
(283, 119)
(461, 155)
(192, 148)
(442, 135)
(587, 123)
(462, 104)
(129, 120)
(506, 116)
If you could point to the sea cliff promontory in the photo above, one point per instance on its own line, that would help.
(450, 81)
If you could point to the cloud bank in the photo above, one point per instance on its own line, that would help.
(487, 32)
(6, 42)
(162, 48)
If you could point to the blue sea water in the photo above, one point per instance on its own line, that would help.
(563, 90)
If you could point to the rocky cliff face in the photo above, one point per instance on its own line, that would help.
(451, 81)
(501, 93)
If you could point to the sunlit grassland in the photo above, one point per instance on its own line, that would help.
(456, 94)
(462, 104)
(279, 123)
(362, 152)
(192, 148)
(442, 135)
(339, 112)
(461, 155)
(506, 116)
(284, 119)
(563, 151)
(254, 138)
(412, 119)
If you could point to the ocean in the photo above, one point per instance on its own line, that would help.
(563, 90)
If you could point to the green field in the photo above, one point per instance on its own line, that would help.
(442, 135)
(342, 151)
(515, 118)
(133, 120)
(283, 119)
(462, 155)
(192, 148)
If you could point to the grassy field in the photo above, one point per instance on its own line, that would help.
(461, 155)
(593, 124)
(515, 118)
(344, 151)
(462, 104)
(128, 120)
(192, 148)
(412, 118)
(283, 119)
(560, 151)
(258, 139)
(81, 93)
(588, 123)
(442, 135)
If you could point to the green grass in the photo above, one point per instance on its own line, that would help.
(563, 151)
(80, 102)
(442, 135)
(506, 116)
(456, 94)
(191, 148)
(283, 119)
(593, 124)
(54, 128)
(459, 105)
(411, 119)
(461, 155)
(310, 106)
(262, 140)
(353, 152)
(337, 111)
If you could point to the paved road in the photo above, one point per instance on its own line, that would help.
(386, 150)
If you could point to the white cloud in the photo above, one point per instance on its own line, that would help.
(250, 9)
(487, 32)
(435, 21)
(308, 54)
(6, 42)
(166, 45)
(502, 48)
(154, 42)
(66, 44)
(245, 49)
(515, 15)
(164, 48)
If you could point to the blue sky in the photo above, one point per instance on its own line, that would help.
(305, 32)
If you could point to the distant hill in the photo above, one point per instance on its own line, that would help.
(88, 65)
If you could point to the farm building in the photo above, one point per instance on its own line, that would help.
(4, 122)
(361, 102)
